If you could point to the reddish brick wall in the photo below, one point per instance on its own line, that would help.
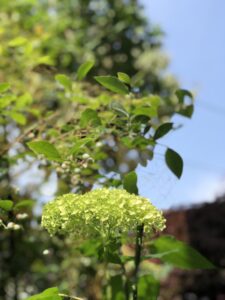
(203, 227)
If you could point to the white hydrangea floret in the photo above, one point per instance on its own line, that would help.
(101, 212)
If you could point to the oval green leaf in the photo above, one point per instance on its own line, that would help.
(113, 84)
(4, 87)
(124, 77)
(148, 288)
(130, 183)
(18, 41)
(84, 69)
(90, 117)
(18, 117)
(24, 204)
(118, 108)
(64, 81)
(162, 130)
(6, 205)
(45, 148)
(174, 162)
(49, 294)
(179, 254)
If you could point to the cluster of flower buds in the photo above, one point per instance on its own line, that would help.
(86, 160)
(73, 167)
(13, 226)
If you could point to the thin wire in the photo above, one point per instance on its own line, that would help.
(211, 108)
(194, 164)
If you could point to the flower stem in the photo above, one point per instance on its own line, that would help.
(138, 249)
(126, 283)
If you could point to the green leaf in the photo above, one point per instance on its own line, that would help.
(49, 294)
(84, 69)
(158, 255)
(149, 111)
(17, 117)
(162, 130)
(117, 289)
(112, 257)
(4, 87)
(124, 77)
(6, 205)
(79, 144)
(17, 42)
(148, 288)
(179, 254)
(24, 204)
(90, 248)
(46, 149)
(24, 101)
(130, 183)
(64, 81)
(5, 101)
(181, 94)
(187, 111)
(90, 117)
(154, 100)
(116, 106)
(110, 251)
(113, 84)
(174, 162)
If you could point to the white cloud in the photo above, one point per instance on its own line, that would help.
(208, 189)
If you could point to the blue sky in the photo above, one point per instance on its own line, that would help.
(195, 43)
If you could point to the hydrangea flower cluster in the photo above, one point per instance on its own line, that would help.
(102, 212)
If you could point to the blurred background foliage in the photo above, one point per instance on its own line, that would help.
(115, 34)
(38, 40)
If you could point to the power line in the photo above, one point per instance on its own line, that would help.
(194, 164)
(211, 108)
(202, 166)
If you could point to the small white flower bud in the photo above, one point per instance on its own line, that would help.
(40, 156)
(99, 144)
(21, 216)
(16, 227)
(85, 156)
(74, 180)
(16, 189)
(77, 170)
(31, 135)
(85, 165)
(10, 225)
(90, 159)
(59, 170)
(64, 165)
(46, 252)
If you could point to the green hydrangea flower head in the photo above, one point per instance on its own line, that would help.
(101, 212)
